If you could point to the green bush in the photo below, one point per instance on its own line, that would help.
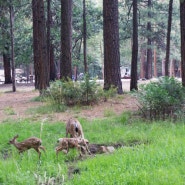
(83, 92)
(91, 91)
(161, 99)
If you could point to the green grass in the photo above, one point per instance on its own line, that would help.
(153, 154)
(161, 161)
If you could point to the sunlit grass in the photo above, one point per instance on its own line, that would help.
(152, 153)
(161, 161)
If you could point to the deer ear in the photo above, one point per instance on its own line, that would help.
(16, 136)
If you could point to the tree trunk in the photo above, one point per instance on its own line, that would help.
(12, 46)
(50, 49)
(163, 67)
(168, 37)
(40, 46)
(52, 64)
(35, 43)
(182, 25)
(66, 39)
(112, 76)
(5, 36)
(7, 66)
(85, 37)
(155, 63)
(143, 63)
(48, 33)
(149, 44)
(133, 82)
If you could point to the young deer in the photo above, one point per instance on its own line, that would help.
(27, 144)
(74, 128)
(66, 143)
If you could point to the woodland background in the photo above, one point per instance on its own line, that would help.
(74, 37)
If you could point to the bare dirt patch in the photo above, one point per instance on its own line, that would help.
(15, 105)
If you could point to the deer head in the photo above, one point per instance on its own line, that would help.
(12, 141)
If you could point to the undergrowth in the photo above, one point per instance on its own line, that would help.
(150, 153)
(70, 93)
(162, 99)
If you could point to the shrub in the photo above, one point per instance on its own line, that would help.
(83, 92)
(161, 99)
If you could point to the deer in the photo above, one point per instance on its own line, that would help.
(74, 128)
(78, 143)
(32, 142)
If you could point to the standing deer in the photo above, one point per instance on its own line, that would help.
(27, 144)
(74, 128)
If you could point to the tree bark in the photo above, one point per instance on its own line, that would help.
(168, 38)
(50, 49)
(112, 75)
(85, 37)
(133, 82)
(155, 63)
(40, 46)
(6, 46)
(7, 66)
(35, 43)
(149, 44)
(12, 45)
(53, 73)
(182, 27)
(143, 63)
(66, 39)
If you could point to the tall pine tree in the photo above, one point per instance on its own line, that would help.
(112, 76)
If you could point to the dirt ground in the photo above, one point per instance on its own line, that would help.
(15, 105)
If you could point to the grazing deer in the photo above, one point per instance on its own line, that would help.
(74, 128)
(27, 144)
(66, 143)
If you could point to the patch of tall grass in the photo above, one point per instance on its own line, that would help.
(150, 154)
(158, 162)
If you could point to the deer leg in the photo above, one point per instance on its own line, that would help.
(38, 151)
(57, 153)
(79, 149)
(67, 147)
(21, 155)
(83, 149)
(87, 149)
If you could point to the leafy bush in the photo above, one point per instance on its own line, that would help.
(91, 92)
(161, 99)
(83, 92)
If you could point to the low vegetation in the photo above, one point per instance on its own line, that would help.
(68, 93)
(147, 153)
(162, 99)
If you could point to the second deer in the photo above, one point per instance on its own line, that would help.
(32, 142)
(66, 143)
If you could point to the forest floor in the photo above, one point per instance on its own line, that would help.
(16, 105)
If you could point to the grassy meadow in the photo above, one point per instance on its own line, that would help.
(153, 153)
